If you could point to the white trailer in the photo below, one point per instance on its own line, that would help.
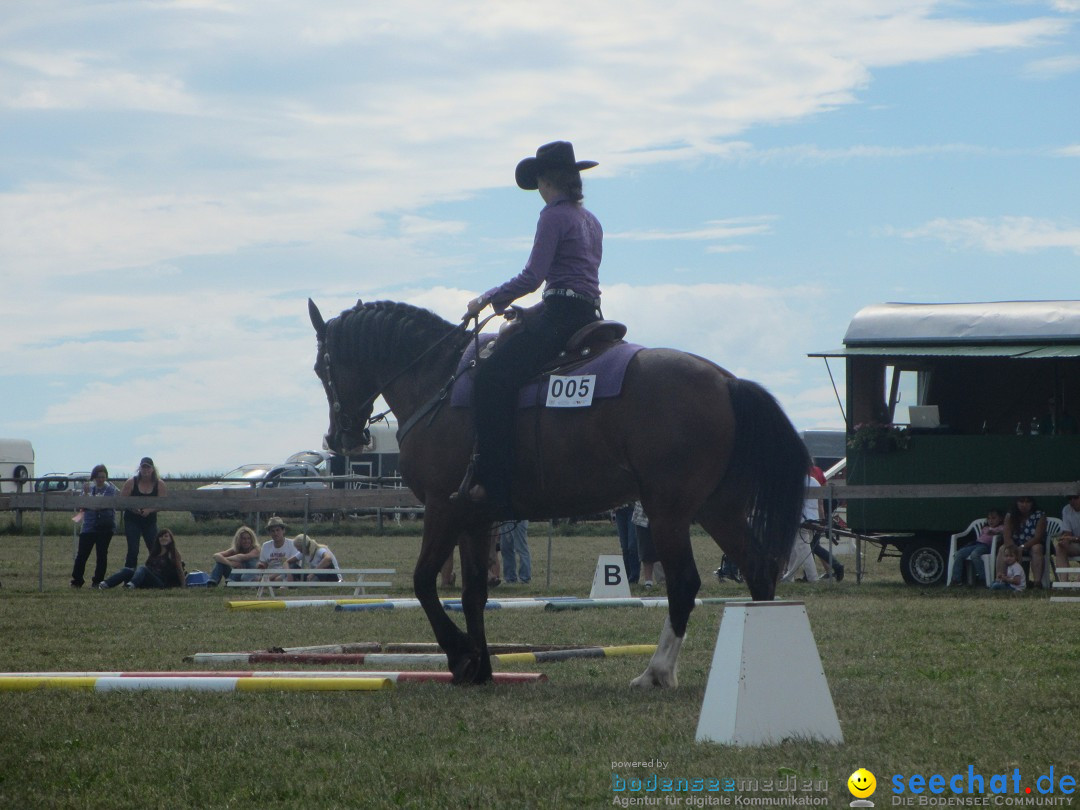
(16, 463)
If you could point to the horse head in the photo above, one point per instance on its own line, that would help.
(351, 395)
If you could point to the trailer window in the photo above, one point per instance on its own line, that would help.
(907, 386)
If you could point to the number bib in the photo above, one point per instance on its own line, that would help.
(571, 392)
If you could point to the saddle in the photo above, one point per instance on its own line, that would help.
(596, 348)
(590, 340)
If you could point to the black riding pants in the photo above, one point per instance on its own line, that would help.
(498, 379)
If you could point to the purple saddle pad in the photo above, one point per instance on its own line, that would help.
(609, 368)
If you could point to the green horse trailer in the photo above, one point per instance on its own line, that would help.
(988, 389)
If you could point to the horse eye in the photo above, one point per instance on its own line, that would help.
(337, 407)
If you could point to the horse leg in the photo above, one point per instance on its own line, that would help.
(672, 540)
(474, 665)
(436, 547)
(722, 516)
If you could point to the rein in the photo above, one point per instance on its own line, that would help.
(432, 405)
(345, 423)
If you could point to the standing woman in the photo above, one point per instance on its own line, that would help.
(98, 526)
(141, 522)
(565, 258)
(163, 569)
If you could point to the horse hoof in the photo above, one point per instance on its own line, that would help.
(650, 679)
(468, 670)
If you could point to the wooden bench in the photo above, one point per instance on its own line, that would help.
(354, 578)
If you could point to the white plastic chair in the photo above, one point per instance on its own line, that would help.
(976, 527)
(1053, 529)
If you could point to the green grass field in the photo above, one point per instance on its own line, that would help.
(924, 682)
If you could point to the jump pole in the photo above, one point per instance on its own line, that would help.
(283, 604)
(197, 684)
(384, 602)
(568, 655)
(423, 659)
(512, 602)
(418, 676)
(390, 659)
(552, 603)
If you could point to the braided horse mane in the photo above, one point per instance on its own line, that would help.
(386, 331)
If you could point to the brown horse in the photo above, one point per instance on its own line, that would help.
(687, 438)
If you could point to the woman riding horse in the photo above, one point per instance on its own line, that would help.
(565, 258)
(723, 454)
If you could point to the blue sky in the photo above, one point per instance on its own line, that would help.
(179, 177)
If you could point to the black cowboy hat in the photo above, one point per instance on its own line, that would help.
(555, 155)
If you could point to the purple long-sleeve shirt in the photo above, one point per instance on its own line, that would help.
(566, 254)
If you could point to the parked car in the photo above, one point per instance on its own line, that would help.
(62, 482)
(259, 476)
(320, 459)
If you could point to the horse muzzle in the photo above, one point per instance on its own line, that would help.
(349, 442)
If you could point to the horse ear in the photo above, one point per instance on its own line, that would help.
(316, 319)
(359, 303)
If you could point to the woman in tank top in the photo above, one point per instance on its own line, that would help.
(141, 522)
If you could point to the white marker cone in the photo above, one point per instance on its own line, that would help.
(766, 683)
(610, 580)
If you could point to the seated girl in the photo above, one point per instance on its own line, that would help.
(319, 557)
(163, 569)
(978, 548)
(243, 553)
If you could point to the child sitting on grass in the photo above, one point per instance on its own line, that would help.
(1014, 578)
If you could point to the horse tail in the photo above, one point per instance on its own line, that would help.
(769, 464)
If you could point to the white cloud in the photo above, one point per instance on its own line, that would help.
(723, 230)
(1003, 235)
(367, 109)
(1052, 67)
(811, 153)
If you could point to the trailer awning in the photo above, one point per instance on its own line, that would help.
(1028, 352)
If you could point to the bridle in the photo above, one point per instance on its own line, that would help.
(343, 422)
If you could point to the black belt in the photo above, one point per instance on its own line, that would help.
(552, 292)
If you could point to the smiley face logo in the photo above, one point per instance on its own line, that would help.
(861, 783)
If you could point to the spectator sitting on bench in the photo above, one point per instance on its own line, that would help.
(243, 553)
(277, 552)
(317, 556)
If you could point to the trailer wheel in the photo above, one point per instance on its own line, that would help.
(923, 563)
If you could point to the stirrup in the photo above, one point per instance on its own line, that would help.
(465, 487)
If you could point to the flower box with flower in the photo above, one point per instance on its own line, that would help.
(875, 437)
